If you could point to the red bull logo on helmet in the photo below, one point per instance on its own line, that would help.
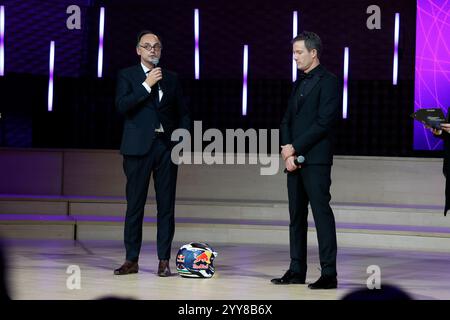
(202, 261)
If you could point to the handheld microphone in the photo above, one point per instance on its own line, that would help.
(155, 63)
(298, 162)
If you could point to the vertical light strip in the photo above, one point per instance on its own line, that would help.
(2, 40)
(51, 65)
(100, 43)
(344, 95)
(396, 36)
(244, 85)
(294, 34)
(197, 52)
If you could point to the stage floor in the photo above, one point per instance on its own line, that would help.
(37, 270)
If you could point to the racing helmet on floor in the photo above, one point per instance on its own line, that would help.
(195, 260)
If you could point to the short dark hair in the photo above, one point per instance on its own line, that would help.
(312, 41)
(143, 33)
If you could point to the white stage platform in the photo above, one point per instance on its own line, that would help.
(390, 203)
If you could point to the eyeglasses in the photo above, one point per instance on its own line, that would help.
(149, 47)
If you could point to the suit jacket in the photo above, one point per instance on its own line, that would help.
(446, 166)
(143, 114)
(308, 121)
(446, 137)
(446, 170)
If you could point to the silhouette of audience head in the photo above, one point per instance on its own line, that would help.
(386, 292)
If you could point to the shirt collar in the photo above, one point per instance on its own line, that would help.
(144, 68)
(315, 70)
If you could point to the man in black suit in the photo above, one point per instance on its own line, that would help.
(306, 131)
(151, 100)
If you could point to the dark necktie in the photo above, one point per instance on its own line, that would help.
(154, 94)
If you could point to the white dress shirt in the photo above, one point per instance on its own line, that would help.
(147, 87)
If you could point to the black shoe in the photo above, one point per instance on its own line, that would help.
(128, 267)
(290, 277)
(324, 282)
(164, 268)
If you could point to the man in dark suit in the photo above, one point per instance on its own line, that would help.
(306, 131)
(151, 100)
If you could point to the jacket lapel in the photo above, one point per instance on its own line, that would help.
(140, 77)
(316, 78)
(139, 74)
(295, 88)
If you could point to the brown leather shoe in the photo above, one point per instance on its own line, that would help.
(128, 267)
(164, 268)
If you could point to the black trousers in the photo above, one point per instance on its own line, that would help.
(138, 170)
(447, 194)
(311, 184)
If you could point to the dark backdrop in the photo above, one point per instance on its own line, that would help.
(84, 115)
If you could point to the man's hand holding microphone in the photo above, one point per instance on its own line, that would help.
(153, 76)
(292, 162)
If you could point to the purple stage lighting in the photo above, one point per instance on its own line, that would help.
(51, 65)
(2, 40)
(197, 52)
(344, 95)
(100, 42)
(432, 67)
(294, 34)
(244, 85)
(396, 35)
